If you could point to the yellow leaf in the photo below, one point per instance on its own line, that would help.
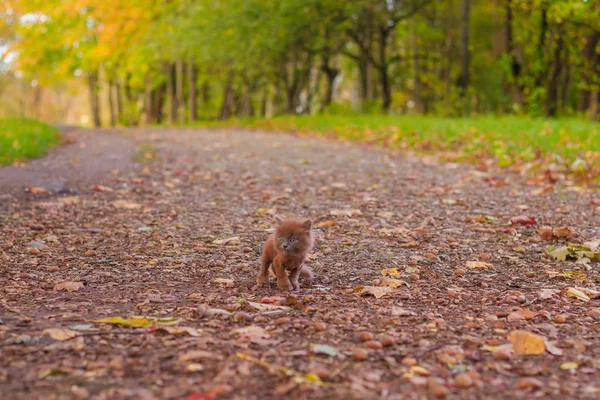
(223, 281)
(390, 272)
(59, 333)
(137, 322)
(194, 355)
(591, 293)
(298, 377)
(569, 365)
(179, 330)
(578, 294)
(69, 286)
(527, 343)
(391, 282)
(232, 240)
(478, 265)
(193, 367)
(325, 223)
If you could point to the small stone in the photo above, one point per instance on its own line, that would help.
(247, 250)
(24, 275)
(437, 388)
(326, 250)
(322, 373)
(90, 253)
(320, 326)
(241, 316)
(282, 321)
(560, 318)
(545, 232)
(459, 271)
(594, 313)
(528, 383)
(414, 277)
(53, 269)
(410, 361)
(530, 274)
(387, 340)
(220, 264)
(365, 336)
(503, 355)
(463, 380)
(360, 354)
(34, 251)
(373, 345)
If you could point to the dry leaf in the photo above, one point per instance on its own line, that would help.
(546, 294)
(545, 232)
(232, 240)
(522, 315)
(267, 307)
(126, 205)
(522, 220)
(478, 265)
(59, 333)
(37, 190)
(326, 223)
(401, 312)
(390, 272)
(569, 365)
(194, 367)
(223, 281)
(391, 282)
(578, 294)
(552, 348)
(137, 322)
(252, 332)
(377, 291)
(69, 286)
(385, 214)
(562, 233)
(591, 293)
(527, 343)
(199, 355)
(345, 212)
(502, 347)
(101, 188)
(179, 330)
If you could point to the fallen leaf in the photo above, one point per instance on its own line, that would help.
(69, 286)
(401, 312)
(522, 220)
(101, 188)
(552, 348)
(126, 205)
(323, 349)
(298, 377)
(338, 185)
(231, 240)
(591, 293)
(53, 372)
(578, 294)
(137, 322)
(179, 330)
(559, 253)
(390, 272)
(480, 265)
(199, 355)
(391, 282)
(546, 294)
(345, 212)
(377, 291)
(502, 347)
(522, 315)
(267, 211)
(569, 365)
(527, 343)
(223, 281)
(59, 333)
(194, 367)
(562, 233)
(385, 214)
(272, 300)
(326, 223)
(252, 332)
(545, 232)
(267, 307)
(37, 190)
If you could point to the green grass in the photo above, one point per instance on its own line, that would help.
(23, 139)
(506, 141)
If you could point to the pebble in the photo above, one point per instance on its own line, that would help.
(320, 326)
(247, 250)
(322, 373)
(459, 271)
(90, 253)
(282, 321)
(594, 313)
(437, 388)
(241, 316)
(560, 318)
(410, 361)
(365, 336)
(387, 340)
(502, 355)
(220, 263)
(373, 344)
(414, 277)
(463, 380)
(360, 354)
(34, 251)
(53, 269)
(528, 383)
(530, 274)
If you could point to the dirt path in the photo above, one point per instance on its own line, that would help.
(176, 238)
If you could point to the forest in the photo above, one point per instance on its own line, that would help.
(180, 61)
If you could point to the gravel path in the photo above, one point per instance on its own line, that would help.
(175, 236)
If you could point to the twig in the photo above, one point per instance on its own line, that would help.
(429, 350)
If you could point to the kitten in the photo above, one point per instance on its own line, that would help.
(287, 249)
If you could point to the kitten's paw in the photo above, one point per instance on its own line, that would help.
(295, 285)
(285, 287)
(261, 285)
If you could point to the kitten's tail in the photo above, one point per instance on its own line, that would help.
(307, 273)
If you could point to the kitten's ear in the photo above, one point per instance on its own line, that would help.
(307, 225)
(279, 219)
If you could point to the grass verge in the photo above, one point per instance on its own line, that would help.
(565, 146)
(23, 139)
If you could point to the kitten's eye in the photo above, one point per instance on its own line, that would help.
(281, 239)
(293, 240)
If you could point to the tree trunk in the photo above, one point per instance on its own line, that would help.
(114, 116)
(119, 97)
(541, 46)
(464, 77)
(263, 103)
(179, 77)
(330, 74)
(591, 61)
(171, 95)
(594, 105)
(158, 100)
(552, 92)
(192, 91)
(386, 87)
(94, 98)
(226, 110)
(148, 103)
(515, 64)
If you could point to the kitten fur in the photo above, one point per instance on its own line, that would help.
(286, 249)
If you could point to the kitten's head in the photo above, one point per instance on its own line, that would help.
(294, 236)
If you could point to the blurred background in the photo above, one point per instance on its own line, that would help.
(139, 62)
